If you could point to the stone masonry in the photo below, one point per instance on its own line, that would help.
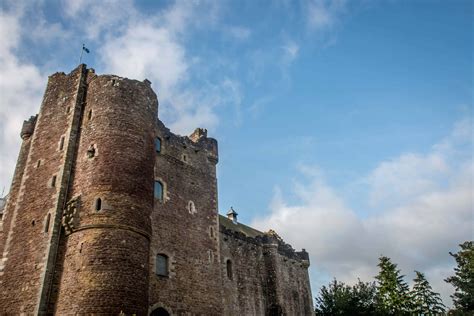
(109, 212)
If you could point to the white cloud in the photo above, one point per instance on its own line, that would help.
(323, 14)
(97, 17)
(430, 212)
(21, 86)
(146, 51)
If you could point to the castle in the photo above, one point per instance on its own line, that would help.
(110, 213)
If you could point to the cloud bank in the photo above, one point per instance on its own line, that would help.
(421, 208)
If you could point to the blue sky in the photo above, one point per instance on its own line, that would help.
(346, 126)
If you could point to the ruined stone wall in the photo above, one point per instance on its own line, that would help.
(187, 235)
(34, 205)
(268, 277)
(107, 221)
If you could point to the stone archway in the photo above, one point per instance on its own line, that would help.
(160, 311)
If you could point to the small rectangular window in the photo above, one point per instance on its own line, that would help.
(162, 265)
(158, 145)
(53, 181)
(158, 190)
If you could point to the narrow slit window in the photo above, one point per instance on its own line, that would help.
(46, 223)
(53, 181)
(229, 269)
(98, 204)
(38, 164)
(162, 265)
(89, 115)
(159, 190)
(158, 145)
(61, 143)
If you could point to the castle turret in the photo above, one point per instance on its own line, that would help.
(107, 217)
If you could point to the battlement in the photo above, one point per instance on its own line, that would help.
(195, 149)
(250, 235)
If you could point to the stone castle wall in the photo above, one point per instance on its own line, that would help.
(82, 228)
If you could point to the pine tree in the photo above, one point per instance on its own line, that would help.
(392, 292)
(424, 300)
(463, 278)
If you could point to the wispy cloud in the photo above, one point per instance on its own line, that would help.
(432, 214)
(323, 14)
(139, 46)
(240, 32)
(290, 50)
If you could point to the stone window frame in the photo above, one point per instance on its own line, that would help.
(158, 140)
(164, 190)
(191, 207)
(166, 257)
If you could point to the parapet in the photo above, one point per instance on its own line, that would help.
(196, 143)
(28, 127)
(268, 239)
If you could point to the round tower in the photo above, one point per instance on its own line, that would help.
(107, 216)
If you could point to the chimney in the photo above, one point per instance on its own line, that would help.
(232, 215)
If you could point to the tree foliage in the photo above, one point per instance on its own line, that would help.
(424, 300)
(463, 278)
(340, 299)
(392, 292)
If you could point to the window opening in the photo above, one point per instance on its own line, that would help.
(162, 265)
(61, 143)
(38, 163)
(98, 204)
(89, 115)
(158, 190)
(53, 181)
(229, 269)
(46, 224)
(158, 145)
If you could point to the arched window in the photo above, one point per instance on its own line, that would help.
(162, 265)
(98, 204)
(158, 145)
(229, 269)
(159, 190)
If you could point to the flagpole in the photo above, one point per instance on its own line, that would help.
(82, 51)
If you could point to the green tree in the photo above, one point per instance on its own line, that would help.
(392, 292)
(463, 278)
(340, 299)
(424, 300)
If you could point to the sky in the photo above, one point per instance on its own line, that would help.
(346, 126)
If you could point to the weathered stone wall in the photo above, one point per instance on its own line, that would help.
(29, 237)
(106, 255)
(244, 291)
(186, 234)
(268, 277)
